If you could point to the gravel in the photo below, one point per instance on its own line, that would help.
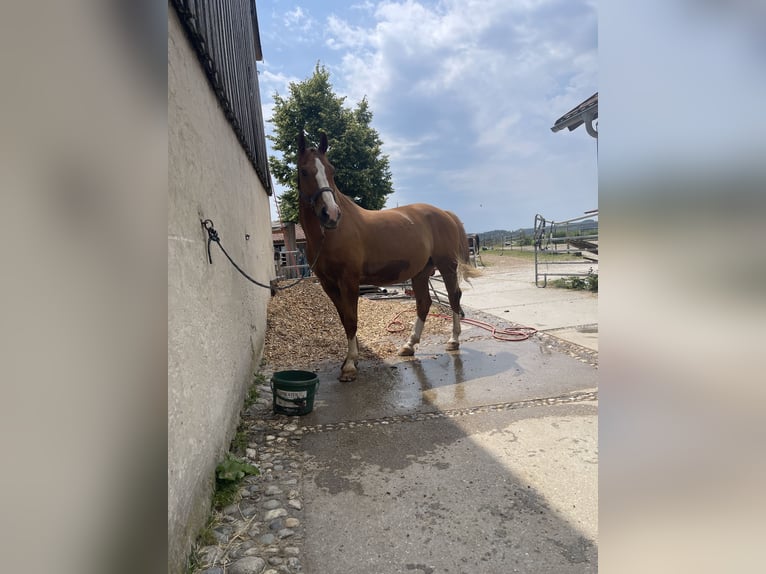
(303, 328)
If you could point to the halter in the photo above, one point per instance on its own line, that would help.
(313, 197)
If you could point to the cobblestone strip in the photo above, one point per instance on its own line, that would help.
(262, 533)
(576, 397)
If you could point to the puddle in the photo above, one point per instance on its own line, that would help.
(482, 372)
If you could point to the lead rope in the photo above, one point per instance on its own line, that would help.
(212, 235)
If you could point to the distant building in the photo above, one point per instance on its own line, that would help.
(278, 235)
(289, 241)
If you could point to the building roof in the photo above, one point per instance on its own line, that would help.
(583, 113)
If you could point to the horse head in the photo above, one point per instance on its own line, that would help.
(316, 186)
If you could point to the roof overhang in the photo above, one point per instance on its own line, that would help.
(584, 113)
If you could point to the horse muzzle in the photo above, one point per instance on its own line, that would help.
(329, 218)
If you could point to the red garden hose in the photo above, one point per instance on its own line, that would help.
(507, 334)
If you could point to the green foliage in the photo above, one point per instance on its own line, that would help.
(206, 537)
(239, 442)
(252, 395)
(361, 171)
(587, 283)
(224, 494)
(228, 475)
(577, 283)
(233, 469)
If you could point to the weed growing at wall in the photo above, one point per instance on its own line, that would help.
(228, 474)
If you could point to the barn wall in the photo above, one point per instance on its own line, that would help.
(216, 319)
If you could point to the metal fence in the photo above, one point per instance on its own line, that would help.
(225, 37)
(291, 264)
(568, 246)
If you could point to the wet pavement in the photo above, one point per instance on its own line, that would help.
(480, 460)
(484, 371)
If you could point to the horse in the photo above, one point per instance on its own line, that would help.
(350, 245)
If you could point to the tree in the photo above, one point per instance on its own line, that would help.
(361, 171)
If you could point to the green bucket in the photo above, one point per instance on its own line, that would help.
(293, 392)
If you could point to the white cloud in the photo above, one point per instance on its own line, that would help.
(297, 19)
(344, 36)
(490, 55)
(274, 81)
(270, 82)
(366, 6)
(463, 93)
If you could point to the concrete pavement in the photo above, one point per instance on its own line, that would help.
(482, 460)
(511, 295)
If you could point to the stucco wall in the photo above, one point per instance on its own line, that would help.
(216, 318)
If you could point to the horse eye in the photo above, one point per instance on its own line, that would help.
(304, 173)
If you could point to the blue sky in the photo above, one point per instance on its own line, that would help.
(463, 92)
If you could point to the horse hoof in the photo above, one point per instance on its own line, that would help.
(453, 346)
(406, 351)
(347, 375)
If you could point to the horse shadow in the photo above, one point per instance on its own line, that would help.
(455, 376)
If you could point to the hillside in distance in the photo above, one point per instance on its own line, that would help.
(500, 236)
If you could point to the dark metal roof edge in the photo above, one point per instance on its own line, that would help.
(574, 117)
(258, 49)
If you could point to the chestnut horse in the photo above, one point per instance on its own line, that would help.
(350, 245)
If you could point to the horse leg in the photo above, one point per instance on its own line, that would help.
(349, 319)
(423, 304)
(346, 301)
(454, 295)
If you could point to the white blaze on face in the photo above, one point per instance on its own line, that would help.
(327, 197)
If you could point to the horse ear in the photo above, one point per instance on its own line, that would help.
(301, 142)
(323, 143)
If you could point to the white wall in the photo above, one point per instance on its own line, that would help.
(216, 318)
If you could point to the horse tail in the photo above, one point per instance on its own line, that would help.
(464, 268)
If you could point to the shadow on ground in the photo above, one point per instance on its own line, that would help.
(479, 460)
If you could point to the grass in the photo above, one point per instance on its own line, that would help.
(230, 472)
(523, 255)
(252, 393)
(228, 475)
(508, 251)
(224, 494)
(239, 442)
(204, 538)
(586, 283)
